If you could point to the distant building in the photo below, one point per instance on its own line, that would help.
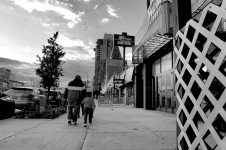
(13, 83)
(32, 83)
(108, 60)
(4, 79)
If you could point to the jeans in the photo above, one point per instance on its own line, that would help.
(82, 106)
(73, 112)
(88, 111)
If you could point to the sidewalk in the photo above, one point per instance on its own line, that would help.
(123, 128)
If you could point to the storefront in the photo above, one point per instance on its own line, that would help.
(154, 80)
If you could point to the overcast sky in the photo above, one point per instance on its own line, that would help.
(27, 24)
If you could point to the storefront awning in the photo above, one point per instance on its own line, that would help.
(151, 44)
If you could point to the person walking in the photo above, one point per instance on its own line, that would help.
(65, 96)
(89, 107)
(76, 93)
(82, 107)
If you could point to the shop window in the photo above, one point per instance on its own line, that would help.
(193, 61)
(195, 90)
(182, 117)
(203, 73)
(209, 20)
(206, 106)
(200, 42)
(163, 92)
(198, 121)
(185, 51)
(190, 33)
(219, 125)
(181, 91)
(166, 62)
(216, 88)
(188, 104)
(178, 42)
(183, 144)
(221, 30)
(157, 66)
(191, 134)
(212, 53)
(223, 67)
(209, 141)
(180, 66)
(186, 77)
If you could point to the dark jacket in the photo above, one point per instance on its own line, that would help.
(76, 92)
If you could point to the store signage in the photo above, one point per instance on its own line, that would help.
(118, 81)
(124, 40)
(154, 10)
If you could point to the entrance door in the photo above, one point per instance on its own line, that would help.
(158, 92)
(163, 91)
(154, 104)
(169, 91)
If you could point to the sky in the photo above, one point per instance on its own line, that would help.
(27, 24)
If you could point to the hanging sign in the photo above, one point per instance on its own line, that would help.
(124, 40)
(118, 81)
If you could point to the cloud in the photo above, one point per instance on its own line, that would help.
(23, 70)
(25, 54)
(45, 24)
(76, 49)
(47, 6)
(92, 44)
(66, 42)
(95, 7)
(111, 11)
(82, 68)
(105, 20)
(85, 1)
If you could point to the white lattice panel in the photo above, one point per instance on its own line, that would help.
(200, 71)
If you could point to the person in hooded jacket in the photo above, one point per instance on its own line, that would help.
(76, 93)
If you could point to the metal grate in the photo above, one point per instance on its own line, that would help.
(200, 70)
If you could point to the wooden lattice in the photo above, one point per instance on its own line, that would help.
(200, 72)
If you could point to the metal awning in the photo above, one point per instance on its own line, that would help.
(151, 44)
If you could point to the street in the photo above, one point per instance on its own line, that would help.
(115, 128)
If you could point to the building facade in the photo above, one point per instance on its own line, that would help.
(103, 60)
(180, 68)
(153, 57)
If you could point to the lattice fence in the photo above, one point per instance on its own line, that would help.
(200, 72)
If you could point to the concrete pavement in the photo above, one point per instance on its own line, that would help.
(120, 128)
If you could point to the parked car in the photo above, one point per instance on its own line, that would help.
(55, 98)
(7, 107)
(26, 98)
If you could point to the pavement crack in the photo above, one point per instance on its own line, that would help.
(16, 133)
(80, 145)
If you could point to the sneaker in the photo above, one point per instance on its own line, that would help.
(90, 123)
(69, 121)
(85, 125)
(74, 122)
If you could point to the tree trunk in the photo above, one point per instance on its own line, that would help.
(47, 100)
